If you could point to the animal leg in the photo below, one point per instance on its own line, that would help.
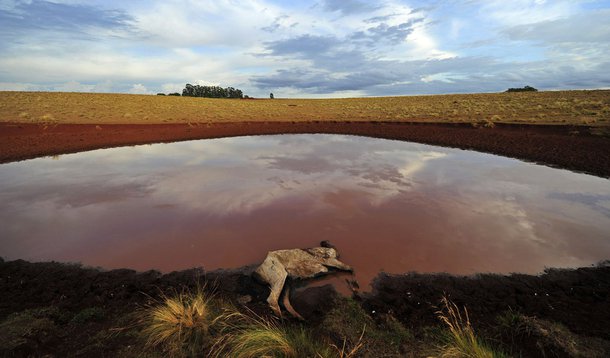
(334, 263)
(277, 285)
(288, 305)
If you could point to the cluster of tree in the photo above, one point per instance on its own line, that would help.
(524, 89)
(211, 92)
(169, 94)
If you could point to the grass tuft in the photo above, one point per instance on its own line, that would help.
(254, 337)
(250, 335)
(462, 341)
(182, 324)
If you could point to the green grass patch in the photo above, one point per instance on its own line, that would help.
(383, 335)
(90, 314)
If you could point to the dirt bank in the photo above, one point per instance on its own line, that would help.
(570, 147)
(576, 298)
(88, 305)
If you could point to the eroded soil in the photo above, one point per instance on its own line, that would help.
(578, 148)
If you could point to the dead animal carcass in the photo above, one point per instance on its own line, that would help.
(295, 264)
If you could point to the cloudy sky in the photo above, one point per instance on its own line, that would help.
(295, 48)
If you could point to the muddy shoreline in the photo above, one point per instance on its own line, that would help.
(576, 148)
(574, 298)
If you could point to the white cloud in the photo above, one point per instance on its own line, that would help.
(519, 12)
(333, 49)
(196, 23)
(139, 88)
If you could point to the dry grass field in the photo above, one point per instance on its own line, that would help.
(561, 107)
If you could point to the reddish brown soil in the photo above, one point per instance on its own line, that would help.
(570, 147)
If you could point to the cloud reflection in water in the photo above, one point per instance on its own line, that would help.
(387, 205)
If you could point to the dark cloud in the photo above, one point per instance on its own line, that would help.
(460, 75)
(320, 82)
(276, 24)
(383, 33)
(77, 195)
(594, 202)
(377, 19)
(271, 28)
(331, 53)
(303, 46)
(316, 81)
(351, 64)
(45, 15)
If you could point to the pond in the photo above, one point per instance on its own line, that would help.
(386, 205)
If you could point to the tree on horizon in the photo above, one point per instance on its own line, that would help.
(211, 91)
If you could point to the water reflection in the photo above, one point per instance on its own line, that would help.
(387, 205)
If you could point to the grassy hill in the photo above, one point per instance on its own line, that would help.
(561, 107)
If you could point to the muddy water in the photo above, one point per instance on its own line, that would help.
(387, 205)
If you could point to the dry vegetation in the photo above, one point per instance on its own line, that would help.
(193, 324)
(561, 107)
(461, 340)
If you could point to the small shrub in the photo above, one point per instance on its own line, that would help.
(348, 320)
(510, 320)
(547, 339)
(88, 315)
(26, 333)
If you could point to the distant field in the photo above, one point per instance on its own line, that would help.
(561, 107)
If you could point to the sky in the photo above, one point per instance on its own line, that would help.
(308, 49)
